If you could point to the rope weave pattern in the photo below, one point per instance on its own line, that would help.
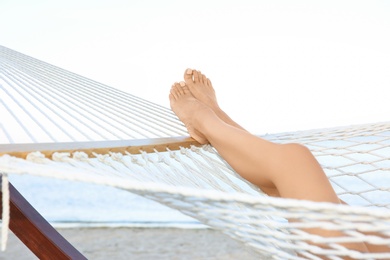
(183, 180)
(359, 151)
(36, 96)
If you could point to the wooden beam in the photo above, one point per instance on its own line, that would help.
(100, 147)
(35, 232)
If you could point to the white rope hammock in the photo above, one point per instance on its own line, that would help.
(43, 104)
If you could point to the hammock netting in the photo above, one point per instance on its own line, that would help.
(42, 105)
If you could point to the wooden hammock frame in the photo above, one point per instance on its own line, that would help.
(35, 232)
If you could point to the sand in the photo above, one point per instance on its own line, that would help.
(143, 243)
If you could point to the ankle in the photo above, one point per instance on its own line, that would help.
(205, 120)
(217, 109)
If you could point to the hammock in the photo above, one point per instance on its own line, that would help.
(61, 125)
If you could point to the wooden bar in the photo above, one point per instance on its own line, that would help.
(35, 232)
(100, 147)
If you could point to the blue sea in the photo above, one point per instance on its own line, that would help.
(69, 204)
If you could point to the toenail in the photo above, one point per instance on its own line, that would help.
(189, 71)
(182, 83)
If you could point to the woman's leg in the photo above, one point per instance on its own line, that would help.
(201, 88)
(289, 170)
(285, 170)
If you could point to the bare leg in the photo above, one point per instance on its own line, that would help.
(272, 166)
(288, 170)
(233, 142)
(202, 89)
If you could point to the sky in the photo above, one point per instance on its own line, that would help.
(276, 66)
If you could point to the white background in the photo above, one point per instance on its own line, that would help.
(276, 65)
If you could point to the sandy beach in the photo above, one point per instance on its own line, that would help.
(142, 243)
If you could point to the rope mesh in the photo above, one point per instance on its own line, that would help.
(73, 107)
(183, 180)
(36, 96)
(361, 152)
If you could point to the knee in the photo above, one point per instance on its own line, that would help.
(299, 160)
(296, 150)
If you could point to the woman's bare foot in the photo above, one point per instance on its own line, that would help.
(202, 89)
(188, 109)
